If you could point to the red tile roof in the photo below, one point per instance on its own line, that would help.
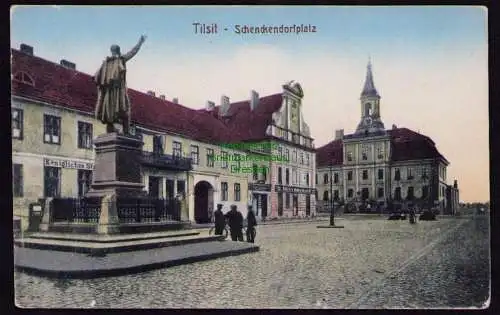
(406, 145)
(58, 85)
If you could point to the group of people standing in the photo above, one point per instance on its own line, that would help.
(235, 220)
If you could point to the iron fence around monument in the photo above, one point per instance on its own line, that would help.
(80, 210)
(147, 210)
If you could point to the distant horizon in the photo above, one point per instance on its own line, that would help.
(429, 63)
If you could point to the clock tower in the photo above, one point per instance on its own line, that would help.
(370, 106)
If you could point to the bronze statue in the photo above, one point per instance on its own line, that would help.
(113, 104)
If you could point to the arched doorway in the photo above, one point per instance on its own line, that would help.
(203, 202)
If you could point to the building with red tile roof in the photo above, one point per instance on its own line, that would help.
(378, 166)
(51, 101)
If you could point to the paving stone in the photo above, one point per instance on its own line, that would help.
(298, 266)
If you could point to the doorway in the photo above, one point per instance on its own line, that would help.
(154, 186)
(264, 205)
(203, 200)
(308, 205)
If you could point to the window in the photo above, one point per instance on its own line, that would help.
(325, 179)
(350, 193)
(335, 195)
(264, 173)
(410, 193)
(52, 129)
(397, 193)
(237, 158)
(181, 187)
(237, 192)
(84, 182)
(255, 172)
(294, 157)
(84, 135)
(364, 152)
(287, 154)
(365, 174)
(287, 176)
(223, 189)
(287, 200)
(316, 194)
(52, 182)
(280, 180)
(365, 193)
(316, 179)
(158, 144)
(336, 178)
(325, 195)
(225, 158)
(349, 175)
(176, 149)
(295, 176)
(349, 156)
(380, 174)
(17, 123)
(23, 77)
(307, 159)
(380, 193)
(302, 158)
(409, 173)
(425, 192)
(280, 151)
(397, 174)
(307, 179)
(380, 152)
(17, 180)
(210, 157)
(424, 173)
(195, 154)
(442, 191)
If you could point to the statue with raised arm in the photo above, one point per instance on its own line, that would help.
(113, 104)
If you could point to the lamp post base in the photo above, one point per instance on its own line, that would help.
(330, 226)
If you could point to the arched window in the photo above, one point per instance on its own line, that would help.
(25, 78)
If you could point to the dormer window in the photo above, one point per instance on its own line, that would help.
(25, 78)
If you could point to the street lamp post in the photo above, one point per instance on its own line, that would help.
(332, 204)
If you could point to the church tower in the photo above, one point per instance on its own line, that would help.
(370, 106)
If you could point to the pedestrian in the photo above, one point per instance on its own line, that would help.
(235, 221)
(251, 223)
(220, 220)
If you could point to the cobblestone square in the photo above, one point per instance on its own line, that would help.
(371, 263)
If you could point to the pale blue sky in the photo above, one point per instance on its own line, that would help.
(363, 30)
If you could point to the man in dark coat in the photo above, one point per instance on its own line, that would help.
(235, 221)
(220, 220)
(251, 223)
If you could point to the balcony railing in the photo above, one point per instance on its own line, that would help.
(166, 161)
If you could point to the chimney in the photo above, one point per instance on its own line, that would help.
(210, 106)
(175, 100)
(151, 93)
(162, 96)
(27, 49)
(254, 99)
(394, 127)
(339, 134)
(68, 64)
(455, 184)
(224, 106)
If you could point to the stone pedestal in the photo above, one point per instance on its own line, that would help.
(47, 212)
(117, 173)
(117, 166)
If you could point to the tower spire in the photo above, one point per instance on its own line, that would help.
(369, 87)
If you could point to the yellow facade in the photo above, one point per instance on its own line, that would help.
(30, 152)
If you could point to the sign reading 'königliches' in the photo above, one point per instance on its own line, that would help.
(68, 164)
